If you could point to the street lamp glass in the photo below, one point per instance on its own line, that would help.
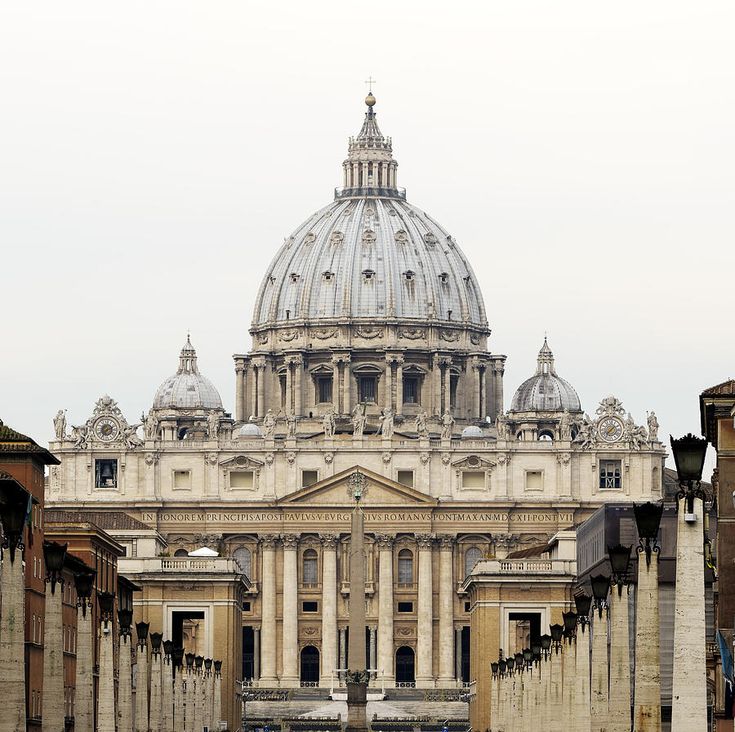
(570, 622)
(536, 648)
(178, 657)
(583, 602)
(189, 660)
(527, 655)
(545, 642)
(503, 665)
(124, 619)
(84, 582)
(218, 667)
(600, 587)
(13, 508)
(689, 453)
(106, 601)
(648, 519)
(156, 639)
(141, 630)
(208, 663)
(199, 661)
(53, 556)
(619, 560)
(168, 647)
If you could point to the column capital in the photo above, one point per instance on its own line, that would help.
(445, 542)
(425, 541)
(269, 541)
(329, 541)
(290, 541)
(294, 360)
(384, 541)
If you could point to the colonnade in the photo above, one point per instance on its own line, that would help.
(428, 655)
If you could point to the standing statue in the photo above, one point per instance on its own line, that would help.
(447, 425)
(329, 424)
(269, 424)
(652, 426)
(359, 420)
(421, 424)
(291, 424)
(130, 436)
(565, 426)
(151, 426)
(386, 423)
(60, 424)
(213, 425)
(501, 426)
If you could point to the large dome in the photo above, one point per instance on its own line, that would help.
(187, 388)
(545, 391)
(369, 255)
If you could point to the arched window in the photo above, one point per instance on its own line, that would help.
(471, 557)
(244, 560)
(181, 553)
(546, 436)
(405, 567)
(310, 567)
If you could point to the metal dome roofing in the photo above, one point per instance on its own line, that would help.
(545, 391)
(187, 388)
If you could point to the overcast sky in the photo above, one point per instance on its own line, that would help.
(153, 156)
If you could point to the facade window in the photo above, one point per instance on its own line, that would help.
(309, 568)
(405, 567)
(242, 479)
(471, 557)
(324, 389)
(473, 479)
(282, 382)
(405, 607)
(534, 480)
(105, 473)
(181, 553)
(368, 388)
(310, 606)
(244, 559)
(309, 477)
(411, 390)
(609, 474)
(246, 607)
(546, 436)
(405, 477)
(182, 479)
(453, 381)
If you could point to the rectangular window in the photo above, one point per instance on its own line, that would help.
(282, 382)
(405, 607)
(473, 479)
(411, 390)
(368, 388)
(405, 477)
(534, 480)
(453, 381)
(182, 479)
(241, 479)
(246, 607)
(310, 606)
(309, 477)
(467, 607)
(609, 474)
(324, 389)
(105, 473)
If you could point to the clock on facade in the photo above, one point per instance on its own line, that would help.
(106, 429)
(610, 429)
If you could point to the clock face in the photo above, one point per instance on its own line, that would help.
(106, 429)
(610, 429)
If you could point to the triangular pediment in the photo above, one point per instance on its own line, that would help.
(379, 491)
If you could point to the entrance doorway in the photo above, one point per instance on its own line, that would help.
(405, 673)
(524, 630)
(465, 653)
(309, 665)
(187, 630)
(248, 652)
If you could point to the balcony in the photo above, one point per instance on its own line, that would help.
(177, 568)
(363, 191)
(508, 570)
(369, 589)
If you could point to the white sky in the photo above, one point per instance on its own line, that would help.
(153, 156)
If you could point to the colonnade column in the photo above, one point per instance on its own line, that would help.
(298, 364)
(388, 397)
(335, 386)
(289, 387)
(425, 614)
(268, 610)
(385, 609)
(290, 647)
(346, 381)
(447, 386)
(241, 414)
(253, 393)
(261, 390)
(436, 385)
(399, 385)
(446, 614)
(329, 608)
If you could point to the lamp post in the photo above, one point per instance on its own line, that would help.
(217, 695)
(125, 672)
(178, 723)
(84, 681)
(599, 686)
(155, 708)
(568, 668)
(502, 694)
(619, 702)
(208, 689)
(520, 691)
(582, 718)
(191, 701)
(537, 679)
(647, 681)
(494, 690)
(53, 639)
(554, 701)
(167, 688)
(13, 507)
(141, 678)
(545, 697)
(106, 682)
(689, 683)
(200, 691)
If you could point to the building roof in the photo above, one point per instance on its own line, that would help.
(105, 520)
(19, 444)
(715, 403)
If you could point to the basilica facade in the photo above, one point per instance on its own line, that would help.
(370, 353)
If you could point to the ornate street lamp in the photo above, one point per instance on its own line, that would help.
(689, 453)
(557, 632)
(600, 588)
(199, 662)
(570, 625)
(208, 664)
(125, 621)
(106, 601)
(156, 639)
(545, 642)
(494, 666)
(218, 668)
(189, 661)
(53, 556)
(168, 648)
(582, 603)
(647, 520)
(619, 562)
(528, 657)
(13, 511)
(141, 630)
(84, 584)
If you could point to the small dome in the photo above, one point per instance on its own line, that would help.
(545, 391)
(471, 432)
(187, 388)
(250, 430)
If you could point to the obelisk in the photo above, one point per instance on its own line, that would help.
(357, 675)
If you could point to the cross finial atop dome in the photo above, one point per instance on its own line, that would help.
(545, 359)
(188, 358)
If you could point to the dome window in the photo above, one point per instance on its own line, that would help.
(294, 277)
(546, 436)
(444, 278)
(410, 275)
(367, 275)
(328, 276)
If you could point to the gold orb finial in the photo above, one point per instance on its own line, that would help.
(370, 100)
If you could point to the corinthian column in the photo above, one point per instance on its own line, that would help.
(329, 608)
(239, 393)
(385, 609)
(446, 613)
(399, 385)
(388, 401)
(268, 610)
(425, 615)
(290, 648)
